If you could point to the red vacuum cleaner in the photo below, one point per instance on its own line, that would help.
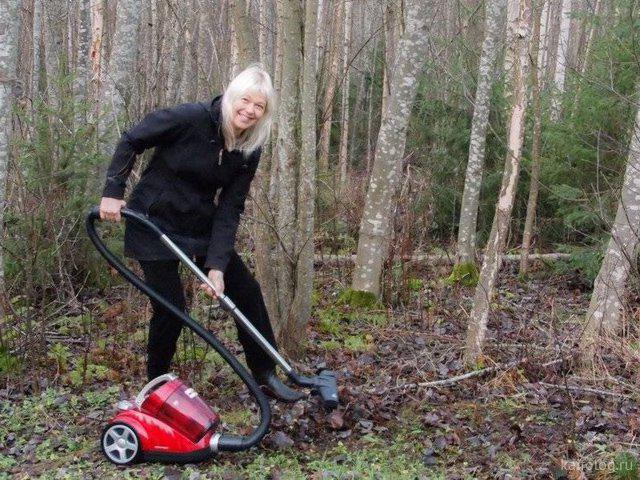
(168, 421)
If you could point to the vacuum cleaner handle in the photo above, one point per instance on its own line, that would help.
(219, 442)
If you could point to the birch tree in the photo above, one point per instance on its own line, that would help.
(605, 307)
(9, 31)
(392, 19)
(561, 60)
(534, 186)
(497, 239)
(477, 142)
(375, 228)
(118, 81)
(329, 95)
(343, 153)
(544, 40)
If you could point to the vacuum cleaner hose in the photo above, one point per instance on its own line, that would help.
(231, 443)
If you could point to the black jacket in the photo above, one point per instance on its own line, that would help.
(178, 187)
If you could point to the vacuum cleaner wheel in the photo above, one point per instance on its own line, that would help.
(120, 444)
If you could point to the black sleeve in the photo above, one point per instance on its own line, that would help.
(227, 216)
(157, 128)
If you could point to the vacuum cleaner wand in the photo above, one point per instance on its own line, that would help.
(324, 384)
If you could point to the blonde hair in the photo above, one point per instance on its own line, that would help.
(254, 79)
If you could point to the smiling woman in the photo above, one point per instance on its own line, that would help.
(247, 110)
(199, 149)
(247, 107)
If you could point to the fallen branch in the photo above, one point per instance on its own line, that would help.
(586, 390)
(435, 259)
(476, 373)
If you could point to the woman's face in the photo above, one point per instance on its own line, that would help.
(247, 110)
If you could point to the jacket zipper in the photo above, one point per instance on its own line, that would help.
(220, 158)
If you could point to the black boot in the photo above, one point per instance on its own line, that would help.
(272, 386)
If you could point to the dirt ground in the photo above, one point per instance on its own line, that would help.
(531, 414)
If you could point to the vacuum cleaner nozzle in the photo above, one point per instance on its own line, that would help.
(326, 384)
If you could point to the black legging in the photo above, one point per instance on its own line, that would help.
(164, 328)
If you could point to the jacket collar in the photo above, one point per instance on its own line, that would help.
(215, 110)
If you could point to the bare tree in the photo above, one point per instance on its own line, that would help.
(375, 228)
(344, 104)
(603, 316)
(495, 246)
(290, 20)
(329, 94)
(9, 31)
(561, 59)
(534, 187)
(307, 178)
(543, 56)
(244, 37)
(477, 141)
(392, 18)
(118, 81)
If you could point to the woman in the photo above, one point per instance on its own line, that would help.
(201, 152)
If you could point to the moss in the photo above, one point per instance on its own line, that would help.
(330, 345)
(415, 284)
(359, 299)
(466, 274)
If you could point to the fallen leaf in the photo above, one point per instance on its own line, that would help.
(336, 419)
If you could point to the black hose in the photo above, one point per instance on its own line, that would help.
(226, 442)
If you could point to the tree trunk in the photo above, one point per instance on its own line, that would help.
(193, 64)
(509, 54)
(320, 33)
(561, 60)
(261, 208)
(96, 58)
(375, 226)
(329, 94)
(534, 186)
(392, 19)
(25, 65)
(603, 316)
(115, 83)
(118, 81)
(244, 38)
(369, 153)
(343, 154)
(290, 20)
(592, 28)
(178, 43)
(307, 182)
(543, 48)
(495, 246)
(479, 123)
(263, 35)
(9, 32)
(83, 69)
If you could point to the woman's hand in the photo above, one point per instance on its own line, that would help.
(217, 278)
(110, 209)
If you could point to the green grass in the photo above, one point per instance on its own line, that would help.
(61, 427)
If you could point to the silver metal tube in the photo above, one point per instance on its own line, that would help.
(226, 301)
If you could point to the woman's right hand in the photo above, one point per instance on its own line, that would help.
(110, 209)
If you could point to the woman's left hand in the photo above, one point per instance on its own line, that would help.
(217, 278)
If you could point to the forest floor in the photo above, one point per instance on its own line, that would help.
(534, 416)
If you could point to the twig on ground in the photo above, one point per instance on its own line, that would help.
(476, 373)
(586, 390)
